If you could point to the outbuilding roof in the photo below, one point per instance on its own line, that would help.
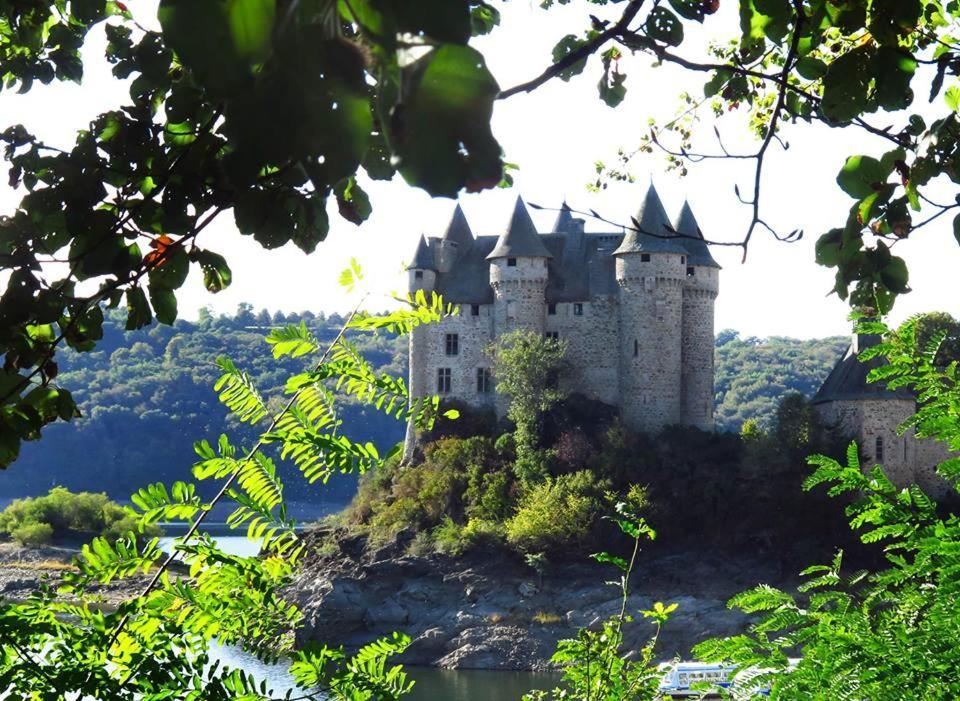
(848, 379)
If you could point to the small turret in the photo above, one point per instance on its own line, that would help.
(457, 238)
(518, 273)
(422, 269)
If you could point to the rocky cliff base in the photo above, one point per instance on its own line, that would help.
(491, 611)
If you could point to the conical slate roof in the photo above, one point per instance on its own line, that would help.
(565, 221)
(848, 379)
(521, 238)
(653, 220)
(423, 258)
(458, 230)
(698, 253)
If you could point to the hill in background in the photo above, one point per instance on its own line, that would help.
(147, 395)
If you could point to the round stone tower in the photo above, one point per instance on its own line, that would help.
(518, 275)
(650, 270)
(700, 288)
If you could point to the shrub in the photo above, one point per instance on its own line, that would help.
(447, 537)
(421, 545)
(558, 513)
(488, 494)
(63, 512)
(32, 534)
(546, 619)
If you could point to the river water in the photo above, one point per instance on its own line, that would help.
(431, 684)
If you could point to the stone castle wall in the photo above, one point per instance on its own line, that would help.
(592, 339)
(905, 459)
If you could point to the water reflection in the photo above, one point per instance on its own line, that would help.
(431, 684)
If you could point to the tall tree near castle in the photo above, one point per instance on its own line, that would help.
(527, 367)
(232, 109)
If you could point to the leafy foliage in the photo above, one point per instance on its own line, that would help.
(271, 109)
(155, 644)
(594, 664)
(872, 633)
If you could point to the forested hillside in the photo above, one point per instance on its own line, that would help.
(752, 374)
(146, 396)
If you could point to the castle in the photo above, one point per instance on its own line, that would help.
(635, 308)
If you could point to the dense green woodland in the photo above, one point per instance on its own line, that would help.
(147, 396)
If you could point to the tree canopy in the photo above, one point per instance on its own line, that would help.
(271, 109)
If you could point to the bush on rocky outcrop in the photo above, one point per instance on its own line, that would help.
(38, 520)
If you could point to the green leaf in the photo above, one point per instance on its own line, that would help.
(442, 132)
(956, 228)
(694, 9)
(563, 48)
(216, 273)
(846, 85)
(251, 24)
(138, 310)
(952, 97)
(664, 26)
(171, 273)
(894, 68)
(861, 176)
(164, 303)
(811, 68)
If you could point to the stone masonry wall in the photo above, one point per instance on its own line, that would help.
(474, 336)
(592, 339)
(650, 339)
(699, 295)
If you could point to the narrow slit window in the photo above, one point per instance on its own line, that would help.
(484, 381)
(453, 344)
(636, 348)
(443, 381)
(878, 449)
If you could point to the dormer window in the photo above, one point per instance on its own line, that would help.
(511, 262)
(644, 257)
(418, 275)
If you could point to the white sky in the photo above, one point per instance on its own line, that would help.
(555, 135)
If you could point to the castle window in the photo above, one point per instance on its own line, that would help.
(691, 271)
(644, 257)
(552, 309)
(418, 275)
(636, 348)
(453, 344)
(511, 262)
(578, 309)
(552, 335)
(474, 310)
(683, 260)
(443, 381)
(511, 309)
(878, 449)
(484, 381)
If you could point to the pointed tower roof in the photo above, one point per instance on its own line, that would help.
(459, 230)
(565, 220)
(521, 238)
(697, 249)
(653, 220)
(423, 258)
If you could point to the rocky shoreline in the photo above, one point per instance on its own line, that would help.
(23, 570)
(491, 611)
